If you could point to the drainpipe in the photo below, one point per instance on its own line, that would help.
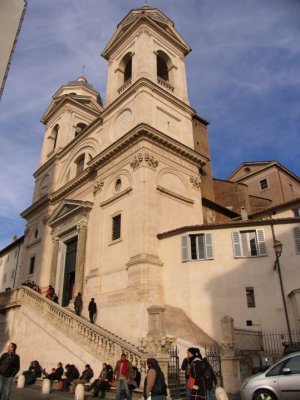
(277, 266)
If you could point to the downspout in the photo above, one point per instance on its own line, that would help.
(277, 265)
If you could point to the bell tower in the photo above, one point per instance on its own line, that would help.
(147, 74)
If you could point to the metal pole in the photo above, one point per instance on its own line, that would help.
(283, 299)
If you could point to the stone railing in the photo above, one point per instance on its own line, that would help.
(124, 86)
(94, 338)
(165, 84)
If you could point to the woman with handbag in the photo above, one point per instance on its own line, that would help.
(196, 381)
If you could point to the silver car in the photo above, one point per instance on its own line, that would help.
(279, 382)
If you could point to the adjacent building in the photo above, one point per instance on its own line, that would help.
(125, 208)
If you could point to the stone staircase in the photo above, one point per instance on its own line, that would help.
(91, 337)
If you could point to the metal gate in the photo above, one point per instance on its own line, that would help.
(173, 373)
(213, 356)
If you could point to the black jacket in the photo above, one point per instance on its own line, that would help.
(9, 364)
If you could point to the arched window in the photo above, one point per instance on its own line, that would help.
(79, 164)
(162, 67)
(128, 70)
(53, 137)
(79, 128)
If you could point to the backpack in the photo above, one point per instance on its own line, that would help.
(159, 387)
(207, 373)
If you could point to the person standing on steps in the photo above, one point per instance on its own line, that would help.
(123, 373)
(9, 367)
(92, 309)
(78, 303)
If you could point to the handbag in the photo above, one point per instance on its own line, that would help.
(190, 383)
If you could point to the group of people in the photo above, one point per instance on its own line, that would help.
(50, 292)
(32, 285)
(92, 307)
(199, 374)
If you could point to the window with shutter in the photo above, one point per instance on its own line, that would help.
(297, 239)
(249, 243)
(197, 247)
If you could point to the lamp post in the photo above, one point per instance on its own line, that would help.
(278, 251)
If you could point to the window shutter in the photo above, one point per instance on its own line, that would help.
(185, 248)
(236, 243)
(209, 246)
(262, 248)
(201, 247)
(297, 239)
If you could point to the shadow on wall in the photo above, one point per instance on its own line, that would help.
(4, 330)
(178, 324)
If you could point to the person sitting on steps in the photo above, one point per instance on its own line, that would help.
(103, 382)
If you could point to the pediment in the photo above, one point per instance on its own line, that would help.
(68, 209)
(80, 101)
(154, 17)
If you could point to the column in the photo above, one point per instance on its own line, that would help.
(80, 258)
(230, 365)
(53, 270)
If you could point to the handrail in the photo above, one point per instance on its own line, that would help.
(93, 336)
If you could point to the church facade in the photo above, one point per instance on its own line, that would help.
(124, 207)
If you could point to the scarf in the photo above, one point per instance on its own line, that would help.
(124, 365)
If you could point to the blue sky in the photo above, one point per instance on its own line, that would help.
(243, 77)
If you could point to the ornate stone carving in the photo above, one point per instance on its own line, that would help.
(196, 183)
(227, 349)
(98, 185)
(144, 159)
(157, 345)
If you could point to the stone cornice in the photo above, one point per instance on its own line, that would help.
(145, 82)
(228, 225)
(53, 108)
(150, 134)
(73, 184)
(42, 202)
(143, 19)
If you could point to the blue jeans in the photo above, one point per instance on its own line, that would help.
(122, 384)
(5, 384)
(209, 394)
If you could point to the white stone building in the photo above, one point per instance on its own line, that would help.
(124, 211)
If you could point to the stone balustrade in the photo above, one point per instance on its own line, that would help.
(93, 337)
(124, 86)
(165, 84)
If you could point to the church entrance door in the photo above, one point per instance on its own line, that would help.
(69, 274)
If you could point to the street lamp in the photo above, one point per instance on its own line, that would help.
(278, 251)
(278, 248)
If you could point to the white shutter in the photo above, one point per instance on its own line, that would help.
(201, 254)
(262, 248)
(297, 239)
(185, 248)
(236, 244)
(209, 246)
